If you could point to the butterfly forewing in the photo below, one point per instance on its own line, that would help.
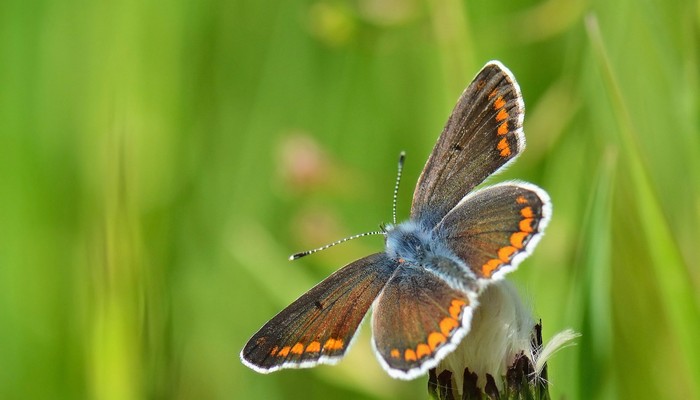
(417, 320)
(483, 133)
(495, 228)
(318, 327)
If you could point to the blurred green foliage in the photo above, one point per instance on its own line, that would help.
(160, 160)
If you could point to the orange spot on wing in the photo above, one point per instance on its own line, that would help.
(410, 355)
(527, 212)
(503, 128)
(456, 308)
(504, 253)
(521, 200)
(499, 103)
(284, 352)
(435, 339)
(422, 350)
(503, 147)
(525, 225)
(313, 347)
(503, 114)
(298, 348)
(490, 266)
(447, 325)
(395, 353)
(517, 238)
(493, 93)
(333, 344)
(274, 351)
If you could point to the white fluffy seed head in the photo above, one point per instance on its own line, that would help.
(501, 330)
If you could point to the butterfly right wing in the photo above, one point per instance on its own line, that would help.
(483, 133)
(318, 327)
(493, 229)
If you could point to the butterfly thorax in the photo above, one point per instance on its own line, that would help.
(409, 242)
(414, 245)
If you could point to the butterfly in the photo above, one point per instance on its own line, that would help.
(424, 287)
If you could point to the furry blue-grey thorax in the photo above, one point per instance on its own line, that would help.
(413, 244)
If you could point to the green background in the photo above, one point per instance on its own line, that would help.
(160, 160)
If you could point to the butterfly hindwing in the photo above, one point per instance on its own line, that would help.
(318, 326)
(495, 228)
(417, 320)
(483, 133)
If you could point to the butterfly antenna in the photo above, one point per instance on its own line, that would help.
(402, 158)
(296, 256)
(307, 252)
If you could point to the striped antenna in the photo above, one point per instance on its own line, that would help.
(307, 252)
(297, 256)
(402, 158)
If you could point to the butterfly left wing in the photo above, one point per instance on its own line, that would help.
(417, 320)
(493, 229)
(319, 325)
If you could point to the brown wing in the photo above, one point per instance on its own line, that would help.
(483, 133)
(495, 228)
(417, 320)
(318, 326)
